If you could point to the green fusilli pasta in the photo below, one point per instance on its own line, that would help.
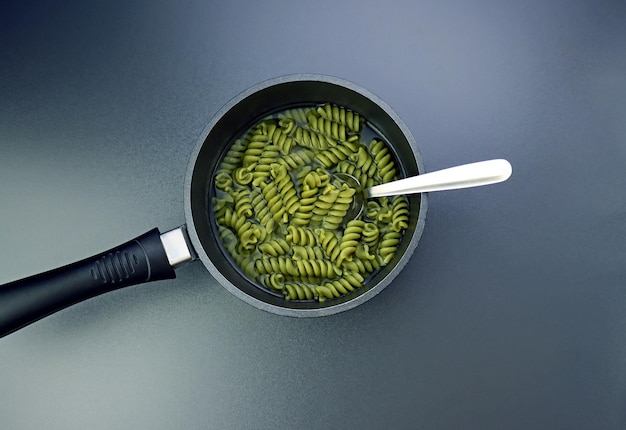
(383, 159)
(279, 209)
(340, 115)
(312, 140)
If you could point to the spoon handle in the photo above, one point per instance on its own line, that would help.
(464, 176)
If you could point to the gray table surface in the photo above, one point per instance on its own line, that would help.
(511, 313)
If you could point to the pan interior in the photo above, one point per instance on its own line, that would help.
(237, 117)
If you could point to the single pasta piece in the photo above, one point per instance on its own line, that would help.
(388, 245)
(300, 236)
(399, 213)
(350, 240)
(340, 115)
(338, 211)
(299, 115)
(275, 247)
(312, 139)
(384, 161)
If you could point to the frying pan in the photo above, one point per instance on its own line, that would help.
(154, 255)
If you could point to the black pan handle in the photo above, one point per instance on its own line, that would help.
(140, 260)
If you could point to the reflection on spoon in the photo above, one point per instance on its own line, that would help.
(464, 176)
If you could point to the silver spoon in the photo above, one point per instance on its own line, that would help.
(463, 176)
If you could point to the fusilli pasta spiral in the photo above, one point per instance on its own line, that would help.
(279, 210)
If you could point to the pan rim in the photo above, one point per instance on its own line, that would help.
(197, 242)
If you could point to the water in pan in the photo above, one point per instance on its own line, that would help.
(278, 208)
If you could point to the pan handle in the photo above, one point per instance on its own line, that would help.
(143, 259)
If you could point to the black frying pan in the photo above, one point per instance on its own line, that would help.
(154, 256)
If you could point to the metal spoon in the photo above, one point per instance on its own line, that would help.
(463, 176)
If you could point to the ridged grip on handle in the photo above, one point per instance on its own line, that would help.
(140, 260)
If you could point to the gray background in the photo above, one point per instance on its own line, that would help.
(510, 315)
